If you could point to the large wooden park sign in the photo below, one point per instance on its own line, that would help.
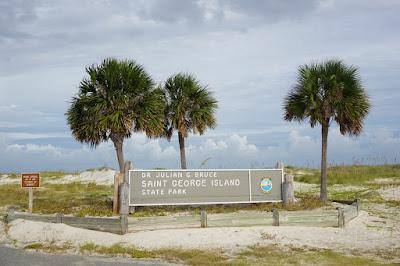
(187, 187)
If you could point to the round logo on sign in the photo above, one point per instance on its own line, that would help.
(266, 184)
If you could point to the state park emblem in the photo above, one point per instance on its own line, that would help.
(266, 184)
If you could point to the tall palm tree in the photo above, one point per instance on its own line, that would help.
(116, 99)
(190, 108)
(327, 92)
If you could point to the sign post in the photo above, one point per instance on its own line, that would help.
(30, 181)
(30, 199)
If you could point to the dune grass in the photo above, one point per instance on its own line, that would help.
(75, 198)
(352, 174)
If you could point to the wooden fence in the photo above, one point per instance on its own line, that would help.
(107, 224)
(328, 218)
(121, 225)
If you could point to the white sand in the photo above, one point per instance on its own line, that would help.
(344, 188)
(4, 179)
(355, 236)
(305, 187)
(104, 177)
(314, 188)
(385, 180)
(390, 193)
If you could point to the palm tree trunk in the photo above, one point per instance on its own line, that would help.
(118, 144)
(324, 178)
(182, 149)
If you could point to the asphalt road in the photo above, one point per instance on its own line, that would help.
(17, 257)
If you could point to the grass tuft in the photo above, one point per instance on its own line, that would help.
(195, 257)
(114, 250)
(51, 247)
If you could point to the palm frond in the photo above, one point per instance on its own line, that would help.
(330, 91)
(190, 106)
(116, 98)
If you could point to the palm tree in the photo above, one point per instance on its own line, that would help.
(116, 99)
(190, 108)
(327, 92)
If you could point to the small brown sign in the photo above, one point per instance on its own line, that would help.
(30, 180)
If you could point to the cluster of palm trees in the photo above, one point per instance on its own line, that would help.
(119, 98)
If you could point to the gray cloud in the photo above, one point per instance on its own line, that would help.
(269, 10)
(13, 14)
(226, 11)
(245, 51)
(171, 11)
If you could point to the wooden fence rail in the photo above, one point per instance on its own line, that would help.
(162, 222)
(308, 218)
(348, 212)
(105, 224)
(239, 219)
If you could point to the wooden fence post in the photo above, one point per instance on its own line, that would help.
(124, 198)
(118, 177)
(203, 219)
(30, 203)
(128, 166)
(288, 189)
(275, 217)
(340, 217)
(59, 217)
(10, 214)
(124, 190)
(357, 201)
(124, 206)
(124, 223)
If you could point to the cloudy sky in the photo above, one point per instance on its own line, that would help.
(247, 52)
